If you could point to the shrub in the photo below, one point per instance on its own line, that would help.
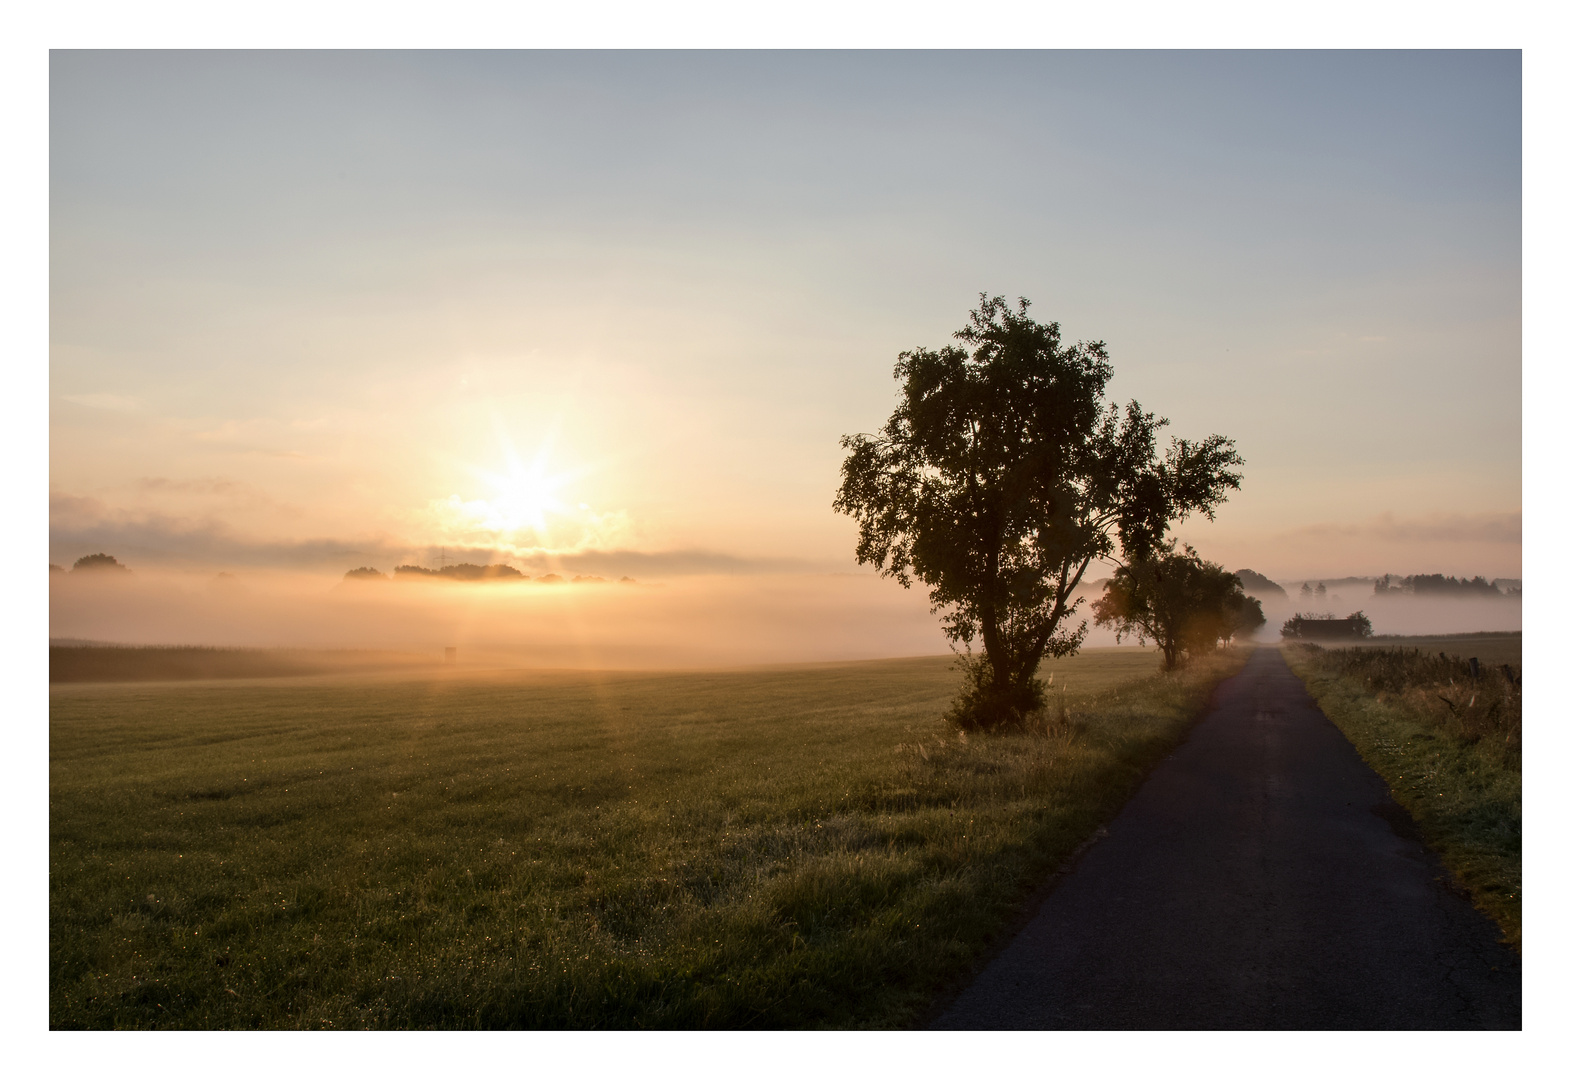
(99, 562)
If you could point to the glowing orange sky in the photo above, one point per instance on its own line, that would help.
(313, 310)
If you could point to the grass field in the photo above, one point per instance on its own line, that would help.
(790, 847)
(1449, 746)
(1504, 647)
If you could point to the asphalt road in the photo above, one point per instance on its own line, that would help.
(1261, 878)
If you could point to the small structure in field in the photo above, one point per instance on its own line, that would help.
(1325, 628)
(450, 654)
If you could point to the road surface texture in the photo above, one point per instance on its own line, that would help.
(1261, 878)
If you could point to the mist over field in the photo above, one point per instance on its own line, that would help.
(682, 621)
(1401, 614)
(687, 621)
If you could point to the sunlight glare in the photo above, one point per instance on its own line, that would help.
(523, 497)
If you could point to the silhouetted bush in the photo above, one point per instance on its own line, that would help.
(365, 573)
(471, 572)
(462, 572)
(98, 562)
(1441, 585)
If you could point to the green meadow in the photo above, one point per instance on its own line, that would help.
(804, 846)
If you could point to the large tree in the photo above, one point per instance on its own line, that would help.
(1001, 476)
(1175, 598)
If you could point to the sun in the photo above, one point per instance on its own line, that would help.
(523, 496)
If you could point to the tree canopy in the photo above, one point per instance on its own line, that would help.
(1186, 605)
(99, 561)
(1001, 476)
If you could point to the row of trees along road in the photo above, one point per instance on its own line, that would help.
(1002, 475)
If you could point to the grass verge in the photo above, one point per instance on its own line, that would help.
(1448, 744)
(797, 847)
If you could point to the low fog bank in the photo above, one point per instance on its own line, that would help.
(1399, 613)
(684, 622)
(693, 621)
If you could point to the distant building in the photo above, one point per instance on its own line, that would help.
(1308, 628)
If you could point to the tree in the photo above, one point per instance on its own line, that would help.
(1186, 605)
(1000, 477)
(98, 562)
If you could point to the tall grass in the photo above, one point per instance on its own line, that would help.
(1449, 744)
(799, 847)
(1441, 690)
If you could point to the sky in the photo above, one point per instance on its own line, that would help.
(612, 312)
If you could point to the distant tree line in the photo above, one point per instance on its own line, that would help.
(467, 572)
(93, 564)
(1259, 586)
(1440, 585)
(463, 572)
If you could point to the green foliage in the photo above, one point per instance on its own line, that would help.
(803, 847)
(1186, 605)
(1450, 747)
(1002, 475)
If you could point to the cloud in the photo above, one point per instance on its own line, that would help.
(112, 402)
(83, 524)
(1496, 528)
(1489, 544)
(79, 525)
(680, 562)
(207, 485)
